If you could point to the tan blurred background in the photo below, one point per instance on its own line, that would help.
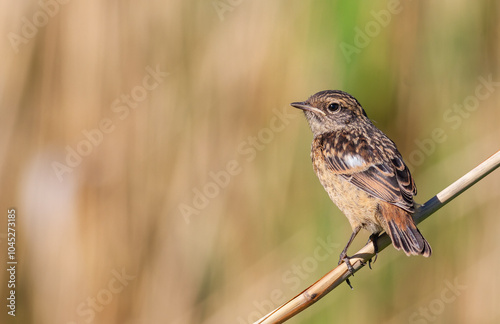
(159, 174)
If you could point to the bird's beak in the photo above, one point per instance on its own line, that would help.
(303, 106)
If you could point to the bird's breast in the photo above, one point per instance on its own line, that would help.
(360, 208)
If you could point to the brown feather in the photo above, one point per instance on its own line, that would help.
(402, 230)
(383, 175)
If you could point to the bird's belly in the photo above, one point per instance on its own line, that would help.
(360, 208)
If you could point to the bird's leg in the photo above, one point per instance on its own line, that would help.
(373, 238)
(343, 256)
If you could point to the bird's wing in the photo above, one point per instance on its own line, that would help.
(373, 164)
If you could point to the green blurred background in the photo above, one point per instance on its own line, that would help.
(123, 234)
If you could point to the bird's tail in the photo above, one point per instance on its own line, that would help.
(403, 232)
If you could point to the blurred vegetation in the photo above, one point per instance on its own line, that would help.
(106, 241)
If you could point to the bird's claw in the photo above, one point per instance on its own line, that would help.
(373, 239)
(349, 283)
(344, 258)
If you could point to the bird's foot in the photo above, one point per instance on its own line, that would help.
(344, 258)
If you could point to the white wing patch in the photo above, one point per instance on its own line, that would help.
(354, 161)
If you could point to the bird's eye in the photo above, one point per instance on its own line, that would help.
(333, 107)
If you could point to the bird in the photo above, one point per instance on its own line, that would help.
(363, 172)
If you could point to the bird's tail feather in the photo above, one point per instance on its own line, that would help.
(405, 234)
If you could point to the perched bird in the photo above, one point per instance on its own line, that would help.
(362, 171)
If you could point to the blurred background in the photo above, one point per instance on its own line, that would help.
(159, 175)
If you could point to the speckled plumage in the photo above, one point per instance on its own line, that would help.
(362, 171)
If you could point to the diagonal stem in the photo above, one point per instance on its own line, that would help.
(457, 187)
(336, 276)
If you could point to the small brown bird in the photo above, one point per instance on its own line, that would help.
(362, 171)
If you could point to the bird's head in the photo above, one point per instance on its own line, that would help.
(331, 110)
